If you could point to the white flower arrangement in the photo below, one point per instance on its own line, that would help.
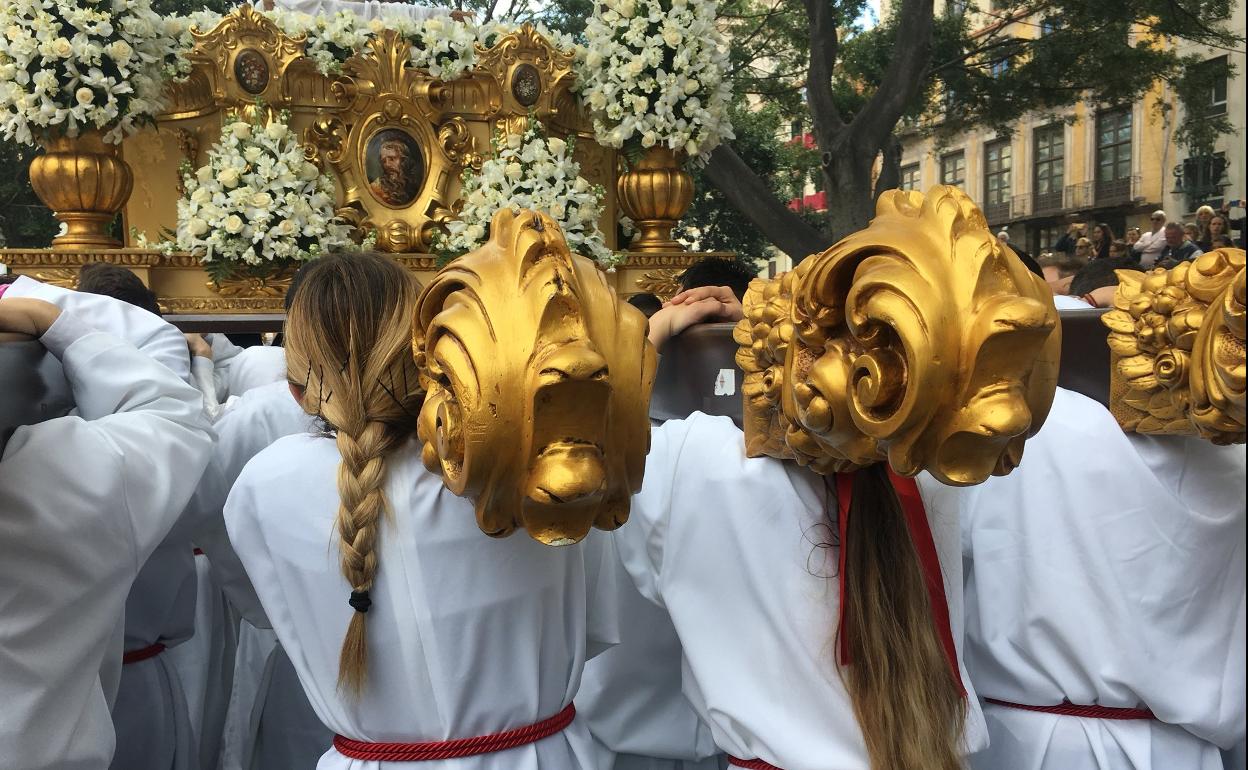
(258, 202)
(653, 74)
(68, 66)
(530, 171)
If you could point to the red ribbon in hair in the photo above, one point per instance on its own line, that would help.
(924, 546)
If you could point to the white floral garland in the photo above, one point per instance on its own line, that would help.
(258, 200)
(653, 73)
(530, 171)
(68, 66)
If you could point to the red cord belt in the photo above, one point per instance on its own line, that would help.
(1088, 712)
(459, 747)
(137, 656)
(751, 764)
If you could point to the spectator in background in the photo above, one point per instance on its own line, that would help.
(1240, 224)
(1119, 250)
(1132, 236)
(1102, 236)
(1083, 250)
(1178, 247)
(646, 302)
(1068, 242)
(1151, 243)
(1203, 215)
(1004, 237)
(1192, 232)
(717, 271)
(1059, 270)
(1217, 227)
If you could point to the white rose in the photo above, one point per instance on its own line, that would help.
(252, 154)
(201, 196)
(593, 59)
(234, 224)
(309, 171)
(84, 96)
(692, 86)
(276, 131)
(557, 146)
(204, 174)
(241, 130)
(261, 200)
(514, 171)
(636, 66)
(691, 148)
(626, 8)
(648, 139)
(229, 177)
(62, 48)
(119, 51)
(672, 37)
(196, 227)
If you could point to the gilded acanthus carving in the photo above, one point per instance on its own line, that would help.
(63, 277)
(663, 283)
(917, 340)
(538, 379)
(1177, 345)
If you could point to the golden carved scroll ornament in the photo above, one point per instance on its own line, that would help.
(918, 340)
(538, 379)
(1177, 345)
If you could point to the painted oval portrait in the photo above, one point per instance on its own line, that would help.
(395, 167)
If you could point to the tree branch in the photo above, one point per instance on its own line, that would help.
(824, 45)
(903, 78)
(753, 197)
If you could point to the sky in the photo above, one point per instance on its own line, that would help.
(870, 14)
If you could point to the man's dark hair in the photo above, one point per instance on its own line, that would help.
(118, 283)
(717, 271)
(647, 303)
(7, 278)
(1100, 273)
(1066, 264)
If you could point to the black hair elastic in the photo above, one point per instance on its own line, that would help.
(360, 601)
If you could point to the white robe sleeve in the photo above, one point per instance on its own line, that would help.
(640, 540)
(85, 500)
(150, 333)
(224, 356)
(244, 430)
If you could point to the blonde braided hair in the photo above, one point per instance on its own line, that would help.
(348, 347)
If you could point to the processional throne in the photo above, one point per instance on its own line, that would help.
(247, 63)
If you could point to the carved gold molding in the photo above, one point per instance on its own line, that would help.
(382, 102)
(663, 283)
(1177, 345)
(26, 258)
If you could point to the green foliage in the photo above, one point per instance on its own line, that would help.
(1066, 52)
(24, 221)
(1202, 126)
(712, 223)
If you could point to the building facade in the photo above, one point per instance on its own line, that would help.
(1094, 164)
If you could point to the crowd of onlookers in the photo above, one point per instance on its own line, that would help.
(1086, 257)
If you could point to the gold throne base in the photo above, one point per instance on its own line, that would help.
(183, 287)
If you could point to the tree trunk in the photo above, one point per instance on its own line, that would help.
(890, 167)
(752, 196)
(847, 170)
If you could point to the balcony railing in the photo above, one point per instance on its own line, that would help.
(1073, 197)
(998, 213)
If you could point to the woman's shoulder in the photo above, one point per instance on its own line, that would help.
(290, 463)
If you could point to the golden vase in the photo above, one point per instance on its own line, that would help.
(85, 182)
(655, 194)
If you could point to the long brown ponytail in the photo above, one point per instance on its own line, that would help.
(348, 346)
(907, 701)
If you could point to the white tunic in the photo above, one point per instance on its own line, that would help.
(1108, 570)
(258, 712)
(735, 549)
(85, 501)
(467, 635)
